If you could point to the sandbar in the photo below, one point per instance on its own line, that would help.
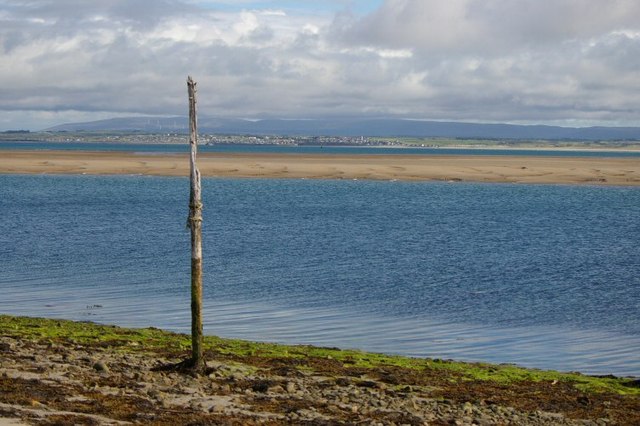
(450, 168)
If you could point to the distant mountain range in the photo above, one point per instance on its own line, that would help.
(355, 127)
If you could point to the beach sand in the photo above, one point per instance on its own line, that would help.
(468, 168)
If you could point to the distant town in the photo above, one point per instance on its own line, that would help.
(135, 137)
(206, 139)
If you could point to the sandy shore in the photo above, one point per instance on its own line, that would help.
(480, 168)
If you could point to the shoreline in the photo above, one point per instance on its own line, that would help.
(85, 373)
(447, 168)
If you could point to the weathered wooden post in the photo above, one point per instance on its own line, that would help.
(194, 222)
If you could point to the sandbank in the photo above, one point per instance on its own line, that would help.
(468, 168)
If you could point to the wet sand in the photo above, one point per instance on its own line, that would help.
(468, 168)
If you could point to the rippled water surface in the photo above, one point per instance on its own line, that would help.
(543, 276)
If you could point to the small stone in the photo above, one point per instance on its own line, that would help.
(101, 367)
(217, 408)
(261, 386)
(584, 400)
(343, 381)
(291, 387)
(195, 405)
(484, 421)
(556, 417)
(276, 389)
(354, 409)
(414, 404)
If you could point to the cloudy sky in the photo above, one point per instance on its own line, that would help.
(567, 62)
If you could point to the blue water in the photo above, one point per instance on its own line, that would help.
(290, 149)
(543, 276)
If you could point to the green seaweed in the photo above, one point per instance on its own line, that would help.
(154, 340)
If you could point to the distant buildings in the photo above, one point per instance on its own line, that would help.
(208, 139)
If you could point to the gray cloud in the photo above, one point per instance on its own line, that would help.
(563, 61)
(528, 60)
(495, 27)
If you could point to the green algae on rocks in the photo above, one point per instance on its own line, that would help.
(303, 357)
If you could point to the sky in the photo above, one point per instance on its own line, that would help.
(560, 62)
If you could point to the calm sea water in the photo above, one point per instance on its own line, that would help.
(543, 276)
(289, 149)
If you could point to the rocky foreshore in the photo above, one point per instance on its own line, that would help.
(64, 381)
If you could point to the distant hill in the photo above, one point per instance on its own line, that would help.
(355, 127)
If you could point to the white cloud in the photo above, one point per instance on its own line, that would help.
(535, 60)
(490, 26)
(270, 12)
(484, 60)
